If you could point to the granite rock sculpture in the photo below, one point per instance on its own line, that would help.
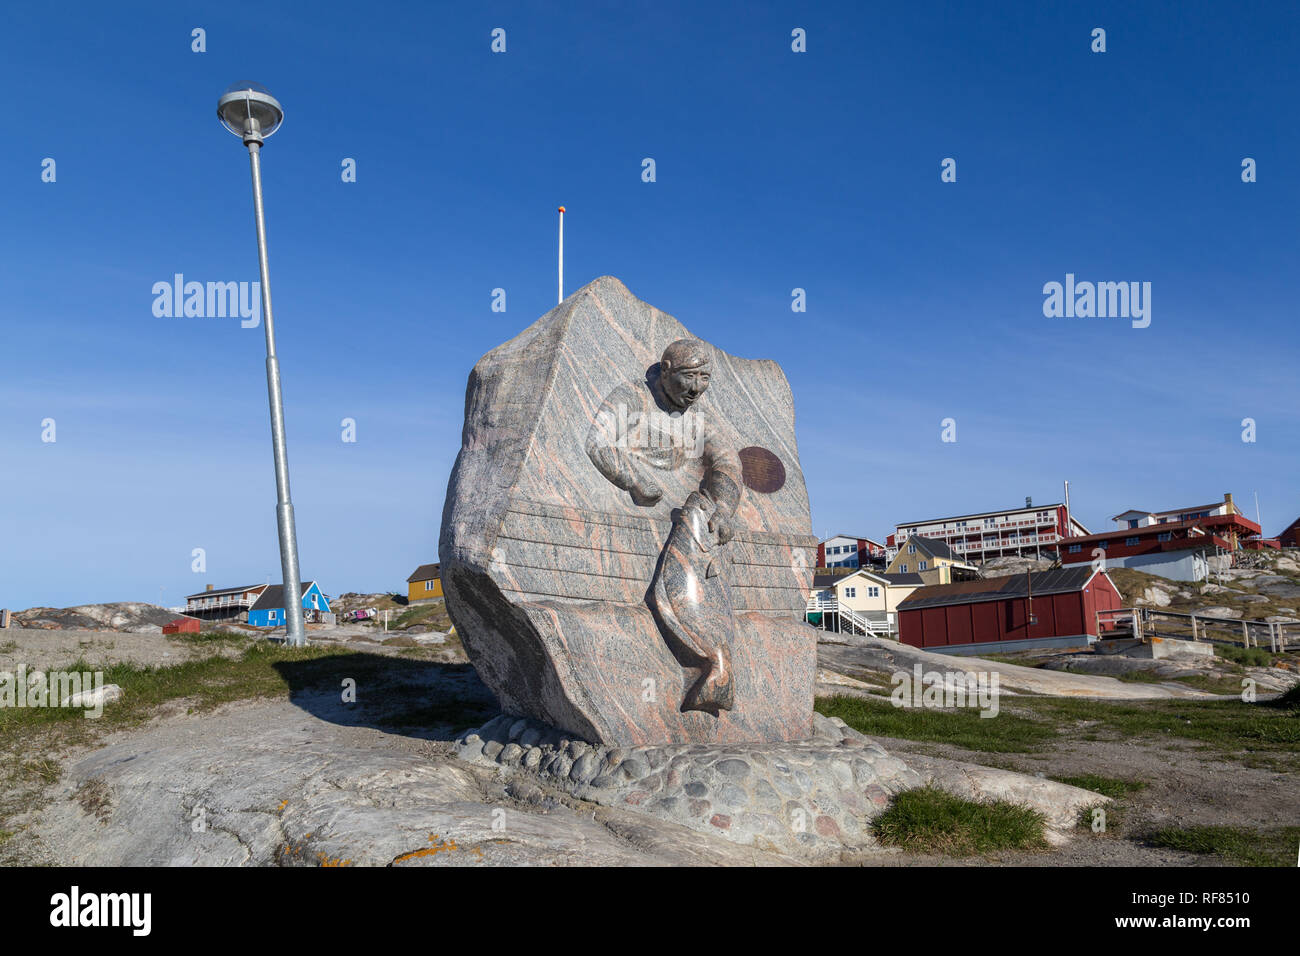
(626, 545)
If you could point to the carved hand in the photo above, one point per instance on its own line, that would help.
(646, 492)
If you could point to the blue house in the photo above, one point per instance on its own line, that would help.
(268, 611)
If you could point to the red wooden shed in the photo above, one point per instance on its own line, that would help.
(992, 614)
(182, 625)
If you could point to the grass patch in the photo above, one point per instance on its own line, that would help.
(214, 639)
(1212, 684)
(261, 670)
(962, 727)
(1253, 734)
(1111, 818)
(1290, 701)
(210, 681)
(8, 647)
(1262, 734)
(422, 615)
(1241, 846)
(876, 680)
(44, 769)
(1113, 787)
(931, 821)
(1245, 656)
(1141, 677)
(1227, 723)
(1018, 660)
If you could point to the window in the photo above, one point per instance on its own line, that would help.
(1076, 548)
(428, 585)
(1165, 536)
(1130, 541)
(1132, 522)
(911, 549)
(921, 566)
(1103, 545)
(850, 592)
(873, 592)
(902, 568)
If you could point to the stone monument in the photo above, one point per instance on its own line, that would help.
(626, 545)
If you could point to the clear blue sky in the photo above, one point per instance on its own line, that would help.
(775, 170)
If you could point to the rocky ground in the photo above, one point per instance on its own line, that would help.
(1011, 564)
(285, 771)
(130, 617)
(309, 778)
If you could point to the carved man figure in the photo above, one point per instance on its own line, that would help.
(654, 426)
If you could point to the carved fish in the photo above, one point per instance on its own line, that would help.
(693, 601)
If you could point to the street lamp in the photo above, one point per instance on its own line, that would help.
(250, 112)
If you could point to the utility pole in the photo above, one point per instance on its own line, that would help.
(252, 113)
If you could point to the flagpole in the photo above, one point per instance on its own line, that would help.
(561, 265)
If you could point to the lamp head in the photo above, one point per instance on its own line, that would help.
(250, 111)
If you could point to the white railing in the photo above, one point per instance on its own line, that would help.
(847, 618)
(1021, 542)
(978, 528)
(203, 604)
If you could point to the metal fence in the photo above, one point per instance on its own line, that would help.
(1142, 623)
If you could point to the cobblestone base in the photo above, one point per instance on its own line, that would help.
(814, 797)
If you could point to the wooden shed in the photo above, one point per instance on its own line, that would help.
(1056, 608)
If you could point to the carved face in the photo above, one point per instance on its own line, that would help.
(684, 386)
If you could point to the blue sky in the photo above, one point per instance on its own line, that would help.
(775, 170)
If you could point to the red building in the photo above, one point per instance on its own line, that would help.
(182, 625)
(1056, 608)
(1174, 549)
(1290, 538)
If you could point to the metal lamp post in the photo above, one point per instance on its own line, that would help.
(250, 112)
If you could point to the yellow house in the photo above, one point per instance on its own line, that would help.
(424, 584)
(932, 559)
(861, 602)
